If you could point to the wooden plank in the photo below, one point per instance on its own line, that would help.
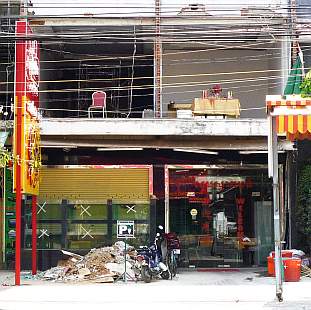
(216, 106)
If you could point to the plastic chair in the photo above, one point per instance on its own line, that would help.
(98, 103)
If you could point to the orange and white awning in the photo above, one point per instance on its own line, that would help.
(293, 117)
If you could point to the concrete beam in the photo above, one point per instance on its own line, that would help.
(153, 127)
(213, 143)
(149, 21)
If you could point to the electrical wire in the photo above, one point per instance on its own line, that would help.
(176, 76)
(179, 41)
(184, 60)
(265, 85)
(240, 46)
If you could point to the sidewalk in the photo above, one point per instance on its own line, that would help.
(218, 290)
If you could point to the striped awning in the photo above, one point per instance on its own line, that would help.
(293, 117)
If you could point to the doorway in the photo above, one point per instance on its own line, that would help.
(212, 211)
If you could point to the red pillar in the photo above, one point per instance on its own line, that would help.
(34, 234)
(18, 141)
(18, 238)
(18, 176)
(18, 209)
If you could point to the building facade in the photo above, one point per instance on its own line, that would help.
(152, 153)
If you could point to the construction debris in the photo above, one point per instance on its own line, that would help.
(305, 271)
(102, 265)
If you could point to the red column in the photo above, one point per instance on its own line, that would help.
(18, 226)
(18, 140)
(34, 234)
(18, 206)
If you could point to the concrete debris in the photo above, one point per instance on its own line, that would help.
(305, 271)
(74, 255)
(102, 265)
(55, 273)
(119, 268)
(104, 280)
(84, 271)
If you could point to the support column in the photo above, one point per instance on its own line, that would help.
(273, 168)
(18, 224)
(110, 220)
(153, 219)
(64, 238)
(18, 188)
(34, 234)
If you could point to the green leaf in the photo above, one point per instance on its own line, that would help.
(5, 157)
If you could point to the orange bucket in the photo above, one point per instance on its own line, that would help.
(285, 253)
(292, 269)
(271, 271)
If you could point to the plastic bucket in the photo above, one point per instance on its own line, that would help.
(271, 266)
(285, 253)
(271, 271)
(292, 269)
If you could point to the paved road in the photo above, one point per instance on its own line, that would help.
(191, 290)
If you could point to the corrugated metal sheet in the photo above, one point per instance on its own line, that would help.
(121, 184)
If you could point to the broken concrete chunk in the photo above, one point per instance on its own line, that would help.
(55, 273)
(84, 271)
(104, 280)
(119, 268)
(77, 256)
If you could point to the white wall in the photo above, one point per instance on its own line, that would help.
(249, 74)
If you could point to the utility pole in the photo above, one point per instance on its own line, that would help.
(157, 62)
(274, 173)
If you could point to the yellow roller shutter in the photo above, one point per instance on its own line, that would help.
(95, 184)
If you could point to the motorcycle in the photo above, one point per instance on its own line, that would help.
(172, 252)
(149, 260)
(170, 249)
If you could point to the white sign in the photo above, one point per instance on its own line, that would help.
(194, 212)
(125, 229)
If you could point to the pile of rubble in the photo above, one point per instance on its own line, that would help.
(305, 271)
(102, 265)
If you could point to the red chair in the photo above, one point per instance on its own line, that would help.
(98, 103)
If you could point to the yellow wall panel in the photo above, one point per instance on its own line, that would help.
(95, 184)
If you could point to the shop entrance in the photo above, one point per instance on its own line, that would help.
(217, 214)
(79, 206)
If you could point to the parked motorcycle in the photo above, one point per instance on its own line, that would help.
(170, 249)
(172, 252)
(149, 259)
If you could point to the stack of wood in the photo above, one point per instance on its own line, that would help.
(216, 106)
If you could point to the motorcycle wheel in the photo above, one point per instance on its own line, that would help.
(171, 264)
(146, 274)
(165, 275)
(174, 265)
